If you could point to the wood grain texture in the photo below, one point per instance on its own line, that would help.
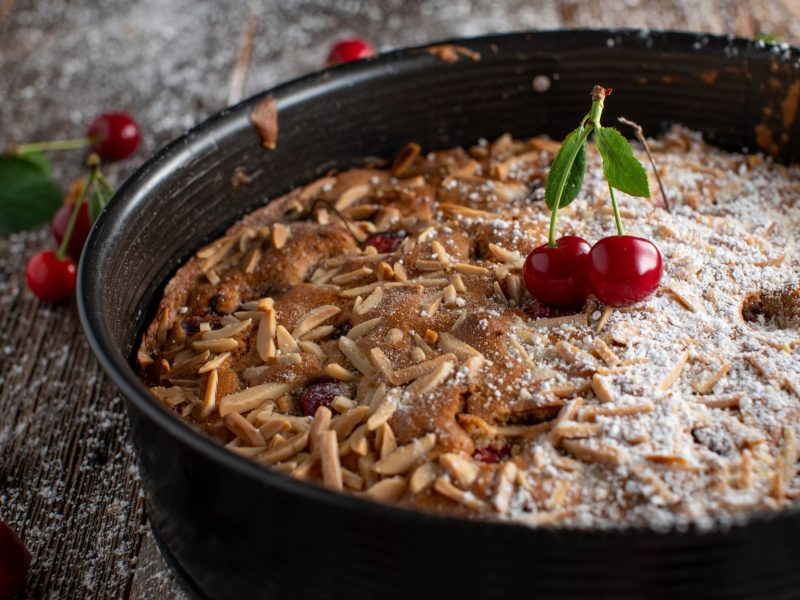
(68, 477)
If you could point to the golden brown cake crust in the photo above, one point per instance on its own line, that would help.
(458, 393)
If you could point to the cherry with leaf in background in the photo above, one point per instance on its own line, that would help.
(15, 560)
(558, 275)
(79, 233)
(349, 50)
(114, 135)
(624, 269)
(384, 242)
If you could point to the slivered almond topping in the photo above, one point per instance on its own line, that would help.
(286, 343)
(402, 459)
(352, 195)
(469, 269)
(370, 302)
(329, 456)
(674, 374)
(273, 427)
(593, 451)
(337, 371)
(284, 450)
(504, 487)
(265, 345)
(458, 283)
(382, 363)
(441, 254)
(450, 343)
(363, 328)
(239, 426)
(228, 331)
(605, 353)
(567, 413)
(351, 480)
(345, 423)
(318, 333)
(447, 489)
(670, 460)
(222, 250)
(341, 404)
(521, 352)
(658, 486)
(429, 382)
(210, 395)
(771, 262)
(789, 455)
(559, 493)
(584, 430)
(354, 354)
(385, 272)
(311, 348)
(430, 305)
(313, 189)
(320, 424)
(352, 276)
(400, 273)
(428, 265)
(163, 327)
(720, 400)
(704, 386)
(250, 261)
(603, 320)
(377, 398)
(463, 470)
(421, 343)
(359, 442)
(450, 296)
(456, 209)
(382, 414)
(215, 363)
(314, 318)
(385, 440)
(602, 389)
(423, 477)
(216, 346)
(280, 235)
(498, 293)
(252, 397)
(578, 320)
(404, 158)
(417, 354)
(590, 413)
(506, 256)
(387, 490)
(213, 277)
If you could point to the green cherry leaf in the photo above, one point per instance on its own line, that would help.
(567, 170)
(621, 168)
(38, 159)
(27, 196)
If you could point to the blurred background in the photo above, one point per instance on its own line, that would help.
(68, 480)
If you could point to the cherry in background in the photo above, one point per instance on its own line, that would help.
(114, 135)
(50, 278)
(79, 233)
(14, 563)
(320, 394)
(624, 269)
(558, 276)
(349, 50)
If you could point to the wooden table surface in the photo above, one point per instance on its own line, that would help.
(68, 477)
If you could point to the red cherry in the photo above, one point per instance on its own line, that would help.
(624, 269)
(558, 276)
(320, 394)
(51, 279)
(117, 135)
(349, 50)
(79, 233)
(14, 563)
(385, 242)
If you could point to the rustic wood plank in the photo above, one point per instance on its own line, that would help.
(68, 480)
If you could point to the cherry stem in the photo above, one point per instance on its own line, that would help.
(637, 129)
(55, 145)
(94, 168)
(620, 230)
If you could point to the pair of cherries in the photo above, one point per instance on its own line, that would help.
(619, 270)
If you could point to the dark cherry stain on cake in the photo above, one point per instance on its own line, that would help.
(492, 454)
(384, 242)
(321, 394)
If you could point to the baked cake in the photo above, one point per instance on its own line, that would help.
(370, 332)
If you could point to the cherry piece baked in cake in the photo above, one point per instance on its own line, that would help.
(371, 332)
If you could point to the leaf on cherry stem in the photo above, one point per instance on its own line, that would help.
(621, 168)
(27, 195)
(567, 170)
